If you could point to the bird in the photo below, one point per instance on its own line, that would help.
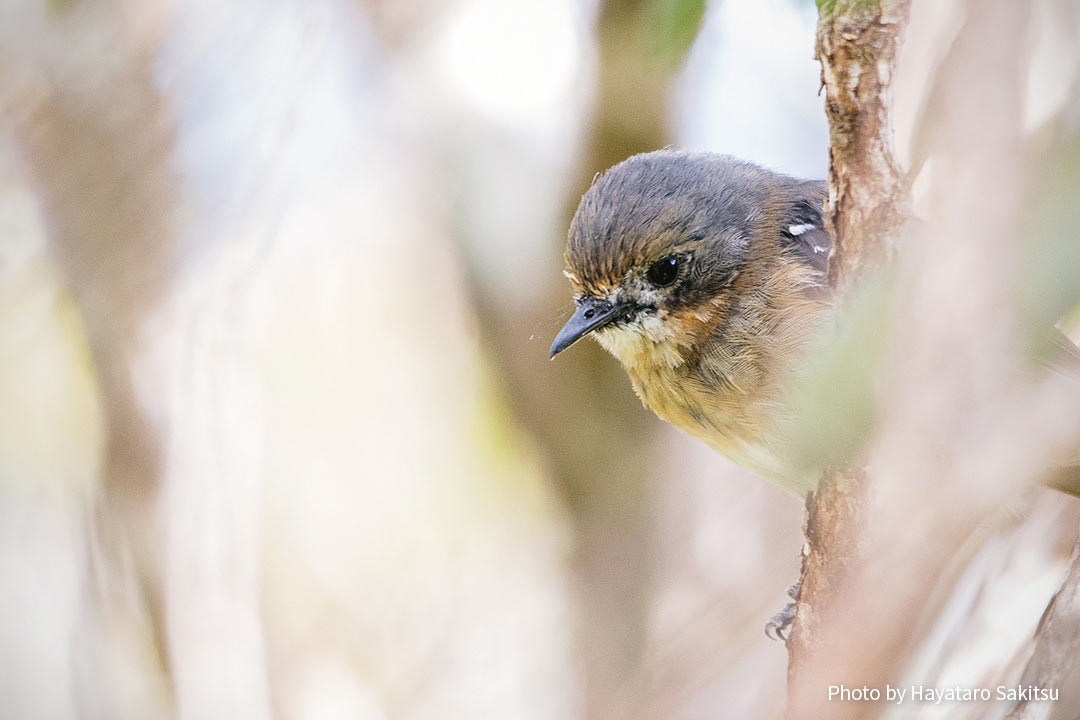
(706, 276)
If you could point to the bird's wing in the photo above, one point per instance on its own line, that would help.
(803, 233)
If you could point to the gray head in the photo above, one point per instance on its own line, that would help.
(659, 239)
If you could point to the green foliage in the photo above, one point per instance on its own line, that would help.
(826, 7)
(1050, 278)
(833, 399)
(59, 7)
(673, 25)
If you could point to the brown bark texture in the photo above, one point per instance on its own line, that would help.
(857, 45)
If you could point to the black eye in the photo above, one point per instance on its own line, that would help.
(663, 272)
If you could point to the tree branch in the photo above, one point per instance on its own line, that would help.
(857, 44)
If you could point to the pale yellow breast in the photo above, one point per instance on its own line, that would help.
(724, 382)
(737, 427)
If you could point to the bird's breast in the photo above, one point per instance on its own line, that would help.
(735, 420)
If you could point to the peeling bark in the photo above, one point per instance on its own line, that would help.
(857, 44)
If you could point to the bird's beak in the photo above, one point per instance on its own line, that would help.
(592, 314)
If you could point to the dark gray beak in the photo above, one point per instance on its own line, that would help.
(592, 314)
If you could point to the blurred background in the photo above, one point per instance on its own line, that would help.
(278, 432)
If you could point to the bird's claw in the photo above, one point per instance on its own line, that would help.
(781, 621)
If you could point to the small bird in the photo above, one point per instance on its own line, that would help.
(706, 277)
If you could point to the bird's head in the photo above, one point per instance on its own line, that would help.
(654, 250)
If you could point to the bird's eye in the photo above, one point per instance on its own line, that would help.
(663, 272)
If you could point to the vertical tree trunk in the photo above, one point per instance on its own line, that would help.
(858, 44)
(99, 159)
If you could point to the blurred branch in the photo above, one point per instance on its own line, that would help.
(608, 489)
(598, 439)
(99, 158)
(101, 145)
(590, 428)
(1057, 645)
